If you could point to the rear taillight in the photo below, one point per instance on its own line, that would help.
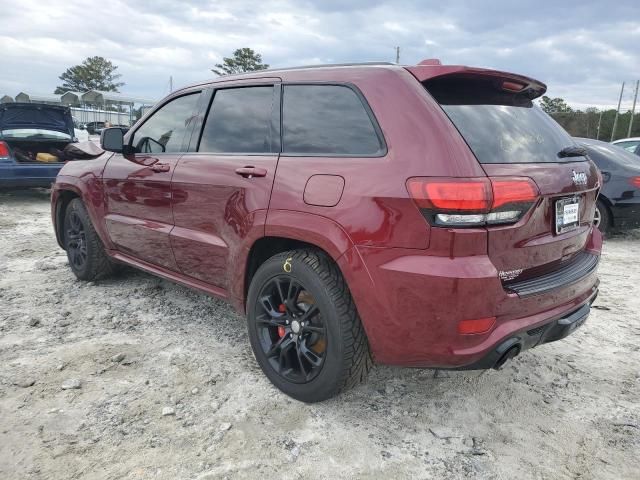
(473, 202)
(4, 150)
(635, 181)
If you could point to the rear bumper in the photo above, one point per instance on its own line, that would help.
(411, 304)
(530, 338)
(14, 175)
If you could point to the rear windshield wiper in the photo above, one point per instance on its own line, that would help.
(572, 151)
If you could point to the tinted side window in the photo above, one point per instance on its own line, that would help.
(164, 131)
(326, 119)
(239, 121)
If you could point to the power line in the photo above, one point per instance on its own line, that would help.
(633, 109)
(615, 120)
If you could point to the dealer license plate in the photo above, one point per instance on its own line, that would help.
(567, 214)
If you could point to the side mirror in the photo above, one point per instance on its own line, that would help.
(112, 140)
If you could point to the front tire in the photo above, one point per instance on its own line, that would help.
(85, 252)
(304, 328)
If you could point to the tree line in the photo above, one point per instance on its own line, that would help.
(585, 123)
(98, 73)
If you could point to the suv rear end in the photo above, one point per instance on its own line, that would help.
(509, 254)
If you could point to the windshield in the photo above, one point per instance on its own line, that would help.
(33, 134)
(498, 126)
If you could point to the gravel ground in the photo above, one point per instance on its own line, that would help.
(135, 377)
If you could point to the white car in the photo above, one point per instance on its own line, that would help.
(629, 144)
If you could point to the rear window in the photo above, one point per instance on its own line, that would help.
(498, 126)
(327, 120)
(239, 121)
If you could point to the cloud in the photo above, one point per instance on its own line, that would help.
(581, 50)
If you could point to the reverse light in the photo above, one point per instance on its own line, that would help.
(473, 202)
(4, 149)
(476, 326)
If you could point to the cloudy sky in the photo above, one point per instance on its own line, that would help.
(582, 49)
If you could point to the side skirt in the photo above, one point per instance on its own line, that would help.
(169, 275)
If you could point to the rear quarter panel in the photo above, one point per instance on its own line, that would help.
(375, 209)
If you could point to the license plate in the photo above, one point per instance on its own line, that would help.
(567, 214)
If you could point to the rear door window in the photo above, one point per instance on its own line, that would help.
(239, 121)
(499, 126)
(327, 120)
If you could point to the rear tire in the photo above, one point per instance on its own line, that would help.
(603, 219)
(87, 258)
(283, 326)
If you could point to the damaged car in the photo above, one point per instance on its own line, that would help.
(35, 142)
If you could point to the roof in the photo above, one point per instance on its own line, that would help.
(71, 97)
(38, 98)
(426, 70)
(313, 68)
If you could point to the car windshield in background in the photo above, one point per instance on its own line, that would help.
(500, 127)
(33, 134)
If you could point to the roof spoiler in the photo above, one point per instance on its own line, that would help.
(432, 68)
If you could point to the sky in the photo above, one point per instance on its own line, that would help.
(583, 50)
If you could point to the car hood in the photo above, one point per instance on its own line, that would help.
(35, 115)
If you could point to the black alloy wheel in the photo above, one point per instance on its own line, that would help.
(304, 329)
(85, 252)
(290, 329)
(76, 241)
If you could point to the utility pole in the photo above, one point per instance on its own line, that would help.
(170, 84)
(615, 120)
(633, 109)
(598, 129)
(397, 54)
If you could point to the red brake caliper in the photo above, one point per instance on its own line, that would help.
(281, 331)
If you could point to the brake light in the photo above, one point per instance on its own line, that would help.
(635, 181)
(4, 149)
(512, 86)
(472, 202)
(454, 195)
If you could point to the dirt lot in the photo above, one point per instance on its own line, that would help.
(137, 346)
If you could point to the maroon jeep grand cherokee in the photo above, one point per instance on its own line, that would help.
(428, 216)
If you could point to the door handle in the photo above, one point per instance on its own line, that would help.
(160, 167)
(250, 172)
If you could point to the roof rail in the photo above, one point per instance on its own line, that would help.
(323, 65)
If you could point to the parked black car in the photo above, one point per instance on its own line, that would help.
(618, 205)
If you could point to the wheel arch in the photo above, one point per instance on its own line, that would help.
(265, 248)
(62, 200)
(290, 230)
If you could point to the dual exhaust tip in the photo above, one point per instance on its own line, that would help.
(512, 352)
